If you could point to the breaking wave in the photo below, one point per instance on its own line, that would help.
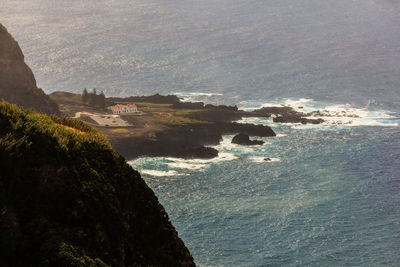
(163, 173)
(332, 114)
(196, 96)
(264, 159)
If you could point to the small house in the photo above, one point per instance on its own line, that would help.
(124, 109)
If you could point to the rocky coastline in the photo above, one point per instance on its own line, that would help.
(193, 140)
(169, 127)
(187, 141)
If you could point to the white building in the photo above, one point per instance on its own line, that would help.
(124, 109)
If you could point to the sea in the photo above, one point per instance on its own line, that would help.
(330, 193)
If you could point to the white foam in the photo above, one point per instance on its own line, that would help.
(256, 120)
(263, 159)
(271, 104)
(226, 157)
(192, 96)
(221, 157)
(343, 115)
(198, 164)
(301, 103)
(158, 173)
(185, 165)
(226, 145)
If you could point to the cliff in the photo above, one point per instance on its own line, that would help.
(68, 199)
(17, 83)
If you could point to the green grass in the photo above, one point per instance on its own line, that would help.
(177, 120)
(120, 130)
(152, 105)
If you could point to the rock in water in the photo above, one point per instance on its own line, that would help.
(17, 83)
(243, 139)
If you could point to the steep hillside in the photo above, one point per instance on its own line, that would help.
(17, 83)
(68, 199)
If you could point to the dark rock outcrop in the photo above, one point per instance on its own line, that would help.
(222, 107)
(186, 141)
(244, 139)
(249, 129)
(215, 115)
(285, 115)
(281, 111)
(17, 83)
(295, 119)
(165, 145)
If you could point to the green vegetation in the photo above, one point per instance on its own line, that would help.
(68, 199)
(153, 106)
(165, 114)
(120, 130)
(177, 120)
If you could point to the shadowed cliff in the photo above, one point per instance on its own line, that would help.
(17, 83)
(68, 199)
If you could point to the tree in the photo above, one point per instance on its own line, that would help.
(85, 96)
(92, 97)
(102, 100)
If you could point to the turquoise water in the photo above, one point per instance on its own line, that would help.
(330, 195)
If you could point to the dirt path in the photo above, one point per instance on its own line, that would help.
(104, 119)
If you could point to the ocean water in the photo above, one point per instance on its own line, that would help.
(328, 197)
(330, 194)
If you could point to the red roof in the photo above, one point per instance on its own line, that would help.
(121, 106)
(117, 107)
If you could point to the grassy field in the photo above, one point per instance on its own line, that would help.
(154, 117)
(161, 115)
(70, 103)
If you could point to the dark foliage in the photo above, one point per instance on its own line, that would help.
(156, 99)
(85, 96)
(93, 99)
(67, 199)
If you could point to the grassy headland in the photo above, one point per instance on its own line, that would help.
(165, 126)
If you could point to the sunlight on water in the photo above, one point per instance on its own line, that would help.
(307, 206)
(329, 196)
(335, 50)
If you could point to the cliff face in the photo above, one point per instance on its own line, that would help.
(17, 83)
(68, 199)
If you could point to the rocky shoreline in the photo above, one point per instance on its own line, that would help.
(194, 140)
(188, 141)
(172, 128)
